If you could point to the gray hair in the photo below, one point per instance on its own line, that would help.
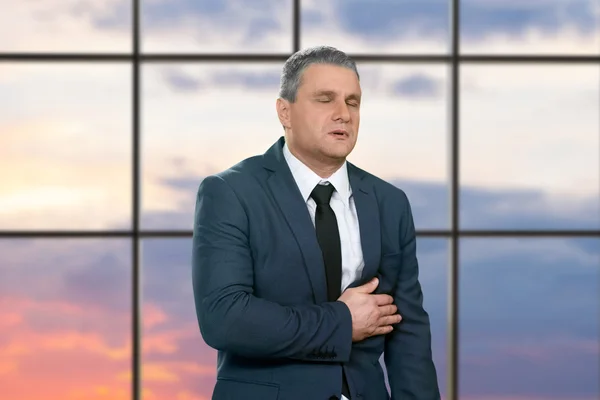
(293, 68)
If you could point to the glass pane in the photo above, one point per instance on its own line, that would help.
(65, 147)
(403, 135)
(176, 363)
(65, 26)
(530, 27)
(200, 119)
(529, 147)
(529, 319)
(217, 26)
(382, 26)
(65, 324)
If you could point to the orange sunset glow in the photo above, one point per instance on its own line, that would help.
(62, 337)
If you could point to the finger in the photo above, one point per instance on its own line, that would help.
(383, 299)
(368, 287)
(388, 309)
(390, 320)
(382, 330)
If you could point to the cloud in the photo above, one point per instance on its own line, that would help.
(209, 25)
(515, 18)
(417, 86)
(266, 26)
(490, 268)
(411, 136)
(66, 25)
(181, 82)
(429, 203)
(414, 86)
(552, 380)
(55, 175)
(380, 19)
(160, 11)
(424, 26)
(538, 27)
(529, 209)
(55, 287)
(167, 254)
(55, 335)
(72, 288)
(108, 260)
(480, 208)
(504, 143)
(390, 20)
(64, 158)
(114, 15)
(417, 129)
(101, 279)
(268, 80)
(530, 306)
(174, 351)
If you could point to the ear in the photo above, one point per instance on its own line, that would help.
(283, 112)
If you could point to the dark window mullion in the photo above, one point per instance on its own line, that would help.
(135, 226)
(453, 331)
(281, 57)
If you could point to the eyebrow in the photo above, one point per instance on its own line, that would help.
(331, 93)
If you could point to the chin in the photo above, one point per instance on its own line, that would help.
(339, 152)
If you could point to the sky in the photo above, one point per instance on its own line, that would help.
(529, 160)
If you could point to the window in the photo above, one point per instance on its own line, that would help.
(485, 112)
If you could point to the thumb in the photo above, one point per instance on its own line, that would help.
(369, 286)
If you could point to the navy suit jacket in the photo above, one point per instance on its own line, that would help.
(261, 297)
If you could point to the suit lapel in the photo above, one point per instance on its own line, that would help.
(289, 199)
(368, 219)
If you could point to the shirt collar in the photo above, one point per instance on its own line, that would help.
(307, 179)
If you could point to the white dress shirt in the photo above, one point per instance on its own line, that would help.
(343, 206)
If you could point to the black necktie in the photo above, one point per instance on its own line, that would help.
(328, 237)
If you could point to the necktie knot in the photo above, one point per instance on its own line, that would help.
(321, 194)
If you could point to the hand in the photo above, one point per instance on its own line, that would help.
(372, 314)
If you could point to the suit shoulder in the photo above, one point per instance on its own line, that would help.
(384, 189)
(239, 173)
(231, 185)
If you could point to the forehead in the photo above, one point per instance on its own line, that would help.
(330, 77)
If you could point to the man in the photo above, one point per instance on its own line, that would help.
(302, 261)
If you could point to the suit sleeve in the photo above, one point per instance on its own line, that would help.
(230, 316)
(408, 356)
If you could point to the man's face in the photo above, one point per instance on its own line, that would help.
(325, 118)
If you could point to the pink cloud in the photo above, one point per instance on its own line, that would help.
(66, 350)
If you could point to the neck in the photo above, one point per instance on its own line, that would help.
(324, 167)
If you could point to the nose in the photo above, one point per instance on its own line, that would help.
(341, 111)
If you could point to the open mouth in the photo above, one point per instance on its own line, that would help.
(339, 133)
